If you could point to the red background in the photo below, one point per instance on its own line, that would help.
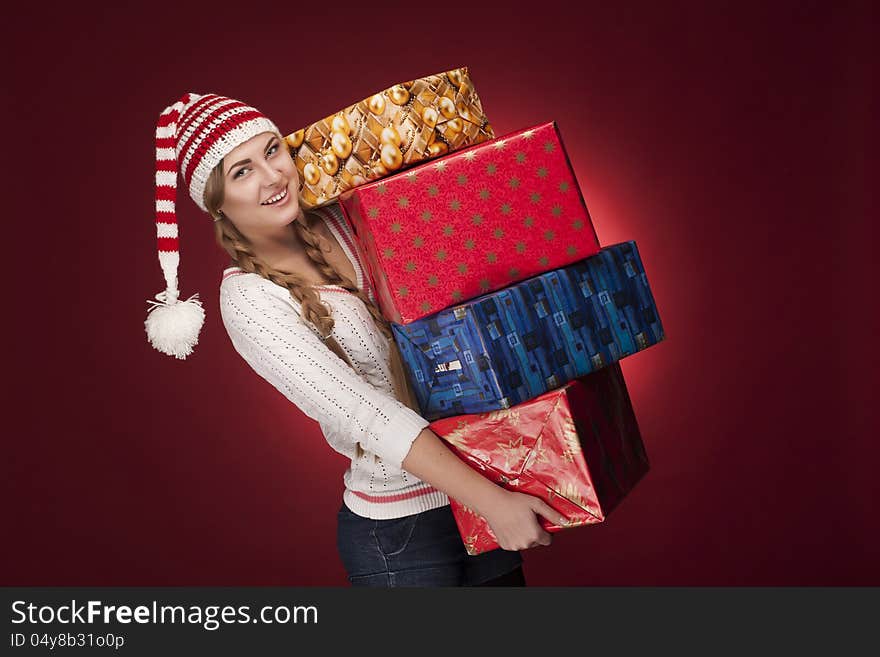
(732, 143)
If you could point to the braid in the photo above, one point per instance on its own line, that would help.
(234, 243)
(314, 310)
(313, 241)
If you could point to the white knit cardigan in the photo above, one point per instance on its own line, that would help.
(353, 406)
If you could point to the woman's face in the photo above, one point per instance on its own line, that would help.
(255, 173)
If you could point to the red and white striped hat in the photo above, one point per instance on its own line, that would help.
(192, 136)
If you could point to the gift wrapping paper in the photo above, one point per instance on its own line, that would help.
(471, 222)
(578, 448)
(504, 348)
(386, 132)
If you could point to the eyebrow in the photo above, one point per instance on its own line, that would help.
(247, 161)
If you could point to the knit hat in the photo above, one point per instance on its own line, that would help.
(192, 136)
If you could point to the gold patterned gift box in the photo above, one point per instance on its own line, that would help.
(386, 132)
(577, 447)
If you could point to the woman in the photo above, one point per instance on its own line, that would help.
(295, 279)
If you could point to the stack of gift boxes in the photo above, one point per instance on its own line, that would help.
(509, 316)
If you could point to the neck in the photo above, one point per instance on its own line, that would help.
(279, 244)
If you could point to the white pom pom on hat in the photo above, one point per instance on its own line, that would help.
(192, 136)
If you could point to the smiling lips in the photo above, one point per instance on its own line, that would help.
(274, 200)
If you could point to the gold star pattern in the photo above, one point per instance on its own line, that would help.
(433, 191)
(494, 418)
(549, 147)
(528, 222)
(426, 215)
(485, 285)
(520, 247)
(500, 144)
(388, 253)
(538, 454)
(485, 194)
(469, 244)
(426, 306)
(520, 157)
(396, 227)
(543, 261)
(477, 219)
(402, 202)
(498, 233)
(462, 268)
(572, 492)
(513, 183)
(419, 242)
(535, 197)
(505, 209)
(456, 295)
(411, 176)
(381, 189)
(571, 249)
(403, 291)
(470, 156)
(440, 255)
(491, 169)
(411, 266)
(373, 212)
(577, 224)
(459, 436)
(491, 258)
(513, 452)
(441, 166)
(557, 210)
(433, 281)
(448, 230)
(570, 437)
(542, 172)
(513, 272)
(455, 205)
(563, 186)
(528, 134)
(462, 179)
(549, 235)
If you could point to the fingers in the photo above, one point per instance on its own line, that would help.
(543, 539)
(546, 511)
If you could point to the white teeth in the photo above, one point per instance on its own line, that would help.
(275, 198)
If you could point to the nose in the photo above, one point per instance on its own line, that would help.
(272, 176)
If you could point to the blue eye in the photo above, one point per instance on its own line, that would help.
(272, 150)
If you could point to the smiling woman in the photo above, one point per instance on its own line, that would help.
(333, 357)
(293, 250)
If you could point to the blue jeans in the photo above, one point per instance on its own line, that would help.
(424, 549)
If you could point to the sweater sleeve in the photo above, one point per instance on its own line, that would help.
(269, 334)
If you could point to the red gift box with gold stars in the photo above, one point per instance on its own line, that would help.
(471, 222)
(577, 447)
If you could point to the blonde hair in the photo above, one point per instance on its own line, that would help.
(230, 239)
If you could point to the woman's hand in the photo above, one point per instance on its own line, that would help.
(513, 519)
(511, 515)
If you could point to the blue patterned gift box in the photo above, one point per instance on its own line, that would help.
(509, 346)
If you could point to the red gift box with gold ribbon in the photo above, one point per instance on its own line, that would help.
(471, 222)
(577, 447)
